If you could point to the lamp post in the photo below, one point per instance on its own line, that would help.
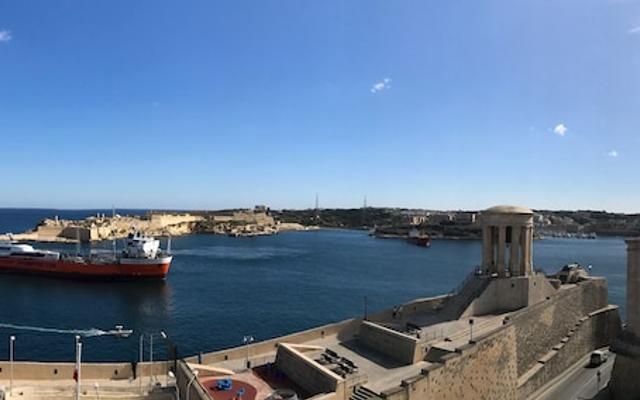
(163, 335)
(140, 360)
(195, 375)
(366, 306)
(152, 377)
(470, 330)
(12, 341)
(171, 375)
(247, 340)
(78, 366)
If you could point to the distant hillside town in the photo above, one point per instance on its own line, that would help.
(463, 224)
(261, 220)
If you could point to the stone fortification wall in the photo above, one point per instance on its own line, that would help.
(403, 348)
(484, 370)
(590, 332)
(500, 365)
(345, 329)
(542, 326)
(62, 371)
(430, 305)
(510, 294)
(45, 232)
(158, 221)
(312, 377)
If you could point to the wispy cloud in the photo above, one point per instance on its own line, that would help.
(634, 30)
(560, 129)
(384, 84)
(613, 153)
(5, 36)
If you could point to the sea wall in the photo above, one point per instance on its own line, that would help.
(65, 370)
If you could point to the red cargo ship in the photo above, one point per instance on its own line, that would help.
(140, 258)
(419, 238)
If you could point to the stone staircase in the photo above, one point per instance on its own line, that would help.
(363, 393)
(469, 290)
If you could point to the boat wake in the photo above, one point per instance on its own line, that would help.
(82, 332)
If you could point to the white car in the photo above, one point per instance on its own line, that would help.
(598, 357)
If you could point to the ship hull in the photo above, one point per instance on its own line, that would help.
(420, 241)
(117, 270)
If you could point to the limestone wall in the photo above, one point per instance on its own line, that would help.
(345, 329)
(403, 348)
(484, 370)
(509, 362)
(510, 294)
(312, 377)
(45, 232)
(62, 370)
(418, 306)
(162, 220)
(542, 326)
(589, 333)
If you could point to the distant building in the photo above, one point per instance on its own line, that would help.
(465, 217)
(418, 219)
(440, 218)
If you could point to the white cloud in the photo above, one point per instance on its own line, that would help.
(634, 30)
(560, 129)
(613, 153)
(5, 36)
(384, 84)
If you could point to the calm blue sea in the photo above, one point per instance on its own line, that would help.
(222, 288)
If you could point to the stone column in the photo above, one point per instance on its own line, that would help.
(514, 265)
(527, 251)
(529, 266)
(633, 286)
(487, 247)
(502, 244)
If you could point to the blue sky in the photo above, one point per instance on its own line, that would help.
(212, 104)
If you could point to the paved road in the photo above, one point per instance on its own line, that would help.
(578, 382)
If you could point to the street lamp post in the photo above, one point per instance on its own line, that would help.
(152, 378)
(140, 360)
(470, 330)
(166, 365)
(172, 375)
(12, 341)
(247, 340)
(195, 375)
(78, 366)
